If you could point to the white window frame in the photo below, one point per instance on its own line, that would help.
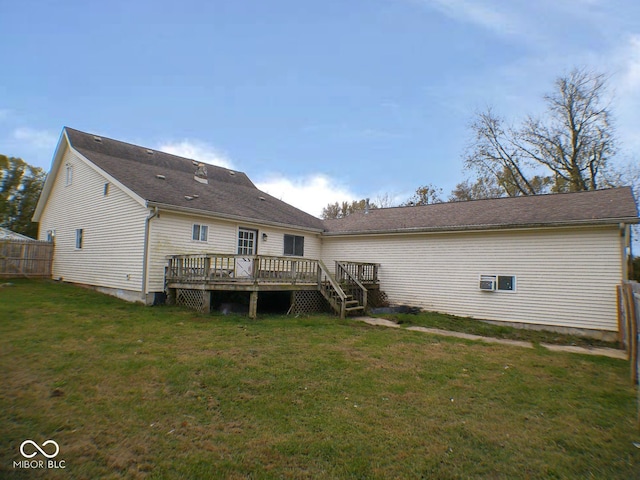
(504, 290)
(69, 174)
(79, 238)
(200, 232)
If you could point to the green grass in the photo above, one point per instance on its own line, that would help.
(477, 327)
(135, 392)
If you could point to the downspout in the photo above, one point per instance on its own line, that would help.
(145, 255)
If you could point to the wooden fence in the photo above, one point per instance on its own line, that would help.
(25, 259)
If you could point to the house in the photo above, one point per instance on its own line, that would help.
(545, 260)
(6, 234)
(139, 223)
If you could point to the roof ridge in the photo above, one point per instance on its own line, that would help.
(155, 150)
(505, 198)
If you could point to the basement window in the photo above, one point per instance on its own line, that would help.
(200, 232)
(294, 245)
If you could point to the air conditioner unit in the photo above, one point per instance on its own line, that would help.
(488, 283)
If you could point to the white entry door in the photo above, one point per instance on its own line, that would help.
(246, 246)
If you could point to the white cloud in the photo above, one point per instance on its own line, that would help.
(626, 86)
(471, 11)
(310, 194)
(630, 80)
(39, 139)
(197, 150)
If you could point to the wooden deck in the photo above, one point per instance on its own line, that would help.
(346, 291)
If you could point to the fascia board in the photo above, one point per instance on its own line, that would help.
(223, 216)
(62, 145)
(484, 228)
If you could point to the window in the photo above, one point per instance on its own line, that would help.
(294, 245)
(79, 235)
(200, 233)
(499, 283)
(106, 189)
(246, 241)
(506, 283)
(69, 176)
(51, 235)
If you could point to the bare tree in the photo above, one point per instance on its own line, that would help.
(384, 201)
(495, 153)
(567, 150)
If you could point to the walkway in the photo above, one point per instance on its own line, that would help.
(606, 352)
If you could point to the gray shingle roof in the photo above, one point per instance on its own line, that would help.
(234, 195)
(599, 206)
(228, 193)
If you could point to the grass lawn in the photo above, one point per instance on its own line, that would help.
(135, 392)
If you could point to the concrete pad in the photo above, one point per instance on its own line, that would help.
(468, 336)
(379, 322)
(605, 352)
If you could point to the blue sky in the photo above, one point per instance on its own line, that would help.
(317, 101)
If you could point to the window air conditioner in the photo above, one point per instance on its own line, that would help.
(488, 283)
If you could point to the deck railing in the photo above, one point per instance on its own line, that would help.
(364, 272)
(213, 268)
(347, 275)
(344, 291)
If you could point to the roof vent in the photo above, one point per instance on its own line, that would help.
(188, 197)
(149, 151)
(201, 173)
(262, 198)
(161, 177)
(232, 173)
(97, 139)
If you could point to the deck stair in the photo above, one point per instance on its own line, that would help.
(346, 296)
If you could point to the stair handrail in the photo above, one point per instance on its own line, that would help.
(334, 285)
(352, 279)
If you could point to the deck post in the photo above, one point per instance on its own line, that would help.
(253, 305)
(206, 308)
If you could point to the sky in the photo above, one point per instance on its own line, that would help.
(316, 101)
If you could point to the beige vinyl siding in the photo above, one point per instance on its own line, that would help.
(564, 277)
(171, 234)
(112, 224)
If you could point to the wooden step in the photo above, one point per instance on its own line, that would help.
(353, 309)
